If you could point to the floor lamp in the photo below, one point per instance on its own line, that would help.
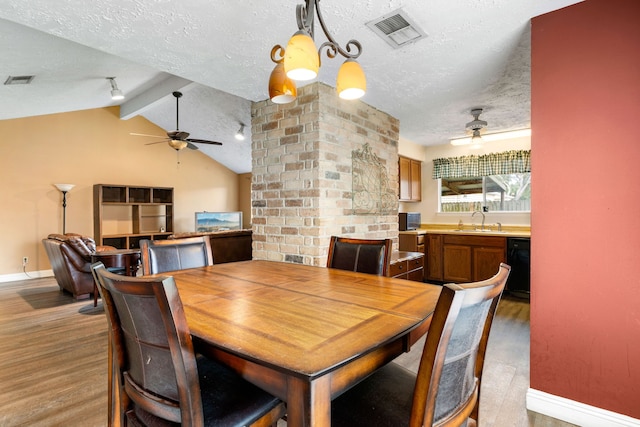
(64, 188)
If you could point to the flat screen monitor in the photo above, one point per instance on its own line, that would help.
(218, 221)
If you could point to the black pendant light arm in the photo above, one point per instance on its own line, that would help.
(332, 45)
(277, 50)
(305, 20)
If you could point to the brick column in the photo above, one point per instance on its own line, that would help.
(302, 174)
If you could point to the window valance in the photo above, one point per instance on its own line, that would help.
(515, 161)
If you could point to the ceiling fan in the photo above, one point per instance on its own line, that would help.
(178, 139)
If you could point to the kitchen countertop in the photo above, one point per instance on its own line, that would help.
(399, 256)
(507, 231)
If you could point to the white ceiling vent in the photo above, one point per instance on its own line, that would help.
(18, 80)
(397, 29)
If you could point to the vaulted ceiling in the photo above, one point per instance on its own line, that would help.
(476, 54)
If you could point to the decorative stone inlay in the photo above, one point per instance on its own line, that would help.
(371, 191)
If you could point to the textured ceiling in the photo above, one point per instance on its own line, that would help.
(217, 53)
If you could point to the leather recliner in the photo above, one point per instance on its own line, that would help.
(70, 258)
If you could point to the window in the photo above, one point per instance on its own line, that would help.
(495, 182)
(496, 193)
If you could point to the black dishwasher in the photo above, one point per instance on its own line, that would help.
(519, 258)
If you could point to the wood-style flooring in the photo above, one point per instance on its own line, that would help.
(53, 361)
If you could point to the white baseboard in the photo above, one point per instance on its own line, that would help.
(576, 412)
(5, 278)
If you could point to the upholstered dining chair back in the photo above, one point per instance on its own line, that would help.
(159, 256)
(160, 378)
(371, 256)
(445, 391)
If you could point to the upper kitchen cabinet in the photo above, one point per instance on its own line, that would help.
(410, 179)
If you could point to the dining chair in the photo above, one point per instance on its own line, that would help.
(154, 370)
(446, 389)
(159, 256)
(371, 256)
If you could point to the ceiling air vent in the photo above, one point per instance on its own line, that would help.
(18, 80)
(397, 29)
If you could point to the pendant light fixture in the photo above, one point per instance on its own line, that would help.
(301, 61)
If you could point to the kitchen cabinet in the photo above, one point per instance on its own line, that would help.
(407, 265)
(433, 250)
(464, 258)
(123, 215)
(411, 241)
(410, 179)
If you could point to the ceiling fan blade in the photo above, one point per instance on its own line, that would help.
(178, 134)
(192, 146)
(144, 134)
(157, 142)
(203, 141)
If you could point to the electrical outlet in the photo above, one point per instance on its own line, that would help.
(25, 260)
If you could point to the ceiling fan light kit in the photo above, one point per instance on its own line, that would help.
(178, 139)
(474, 126)
(301, 61)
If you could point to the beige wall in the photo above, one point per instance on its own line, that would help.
(86, 148)
(244, 202)
(428, 207)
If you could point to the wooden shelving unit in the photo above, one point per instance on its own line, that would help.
(125, 214)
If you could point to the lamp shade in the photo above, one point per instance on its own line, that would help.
(301, 59)
(282, 89)
(177, 145)
(64, 187)
(351, 82)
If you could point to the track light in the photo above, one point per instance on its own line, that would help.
(301, 61)
(240, 133)
(116, 94)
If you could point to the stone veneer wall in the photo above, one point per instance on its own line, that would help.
(302, 174)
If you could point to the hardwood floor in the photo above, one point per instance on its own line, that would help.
(53, 361)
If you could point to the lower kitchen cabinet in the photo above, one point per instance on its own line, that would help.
(464, 258)
(456, 263)
(407, 265)
(486, 261)
(433, 249)
(411, 241)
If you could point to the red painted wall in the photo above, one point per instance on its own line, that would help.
(585, 290)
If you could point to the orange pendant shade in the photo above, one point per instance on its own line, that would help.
(301, 59)
(282, 89)
(351, 82)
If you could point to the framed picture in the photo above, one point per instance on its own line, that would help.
(218, 221)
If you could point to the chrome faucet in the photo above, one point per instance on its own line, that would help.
(481, 213)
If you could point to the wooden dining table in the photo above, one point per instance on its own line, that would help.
(303, 333)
